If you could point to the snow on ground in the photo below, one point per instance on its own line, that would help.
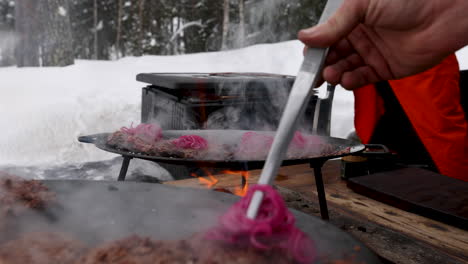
(44, 110)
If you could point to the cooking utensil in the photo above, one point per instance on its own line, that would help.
(97, 211)
(302, 90)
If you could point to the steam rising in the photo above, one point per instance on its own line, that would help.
(253, 104)
(97, 212)
(262, 114)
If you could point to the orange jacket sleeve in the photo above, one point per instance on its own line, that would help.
(431, 100)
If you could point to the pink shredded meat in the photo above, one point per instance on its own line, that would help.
(148, 133)
(191, 142)
(253, 146)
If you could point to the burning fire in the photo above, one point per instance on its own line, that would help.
(210, 181)
(242, 190)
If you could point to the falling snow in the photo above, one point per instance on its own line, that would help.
(62, 11)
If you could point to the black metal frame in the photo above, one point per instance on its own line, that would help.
(316, 165)
(99, 140)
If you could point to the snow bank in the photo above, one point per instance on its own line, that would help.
(44, 110)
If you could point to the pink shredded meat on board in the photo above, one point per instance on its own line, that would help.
(274, 227)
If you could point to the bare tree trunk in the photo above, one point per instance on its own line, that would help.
(118, 49)
(241, 24)
(27, 31)
(56, 37)
(178, 43)
(225, 25)
(173, 49)
(96, 30)
(140, 27)
(7, 48)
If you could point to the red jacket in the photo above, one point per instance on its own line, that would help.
(431, 100)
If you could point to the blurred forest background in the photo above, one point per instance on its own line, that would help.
(56, 32)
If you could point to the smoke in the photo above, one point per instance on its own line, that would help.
(258, 107)
(97, 212)
(94, 213)
(244, 101)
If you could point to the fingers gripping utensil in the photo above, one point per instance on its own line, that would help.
(302, 90)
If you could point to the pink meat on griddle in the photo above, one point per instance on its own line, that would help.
(253, 146)
(148, 133)
(139, 139)
(305, 145)
(191, 142)
(298, 141)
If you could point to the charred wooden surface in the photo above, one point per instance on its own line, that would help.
(395, 235)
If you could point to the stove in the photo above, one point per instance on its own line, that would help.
(247, 101)
(244, 101)
(228, 102)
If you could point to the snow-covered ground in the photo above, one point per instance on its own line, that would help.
(44, 110)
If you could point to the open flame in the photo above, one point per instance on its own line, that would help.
(242, 190)
(210, 181)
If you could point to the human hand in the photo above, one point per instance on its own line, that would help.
(374, 40)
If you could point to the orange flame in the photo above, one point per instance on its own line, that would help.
(242, 190)
(209, 181)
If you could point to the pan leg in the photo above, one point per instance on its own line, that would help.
(124, 168)
(245, 168)
(244, 182)
(321, 192)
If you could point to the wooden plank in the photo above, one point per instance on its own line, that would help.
(390, 245)
(420, 191)
(447, 239)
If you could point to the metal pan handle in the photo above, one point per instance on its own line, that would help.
(385, 150)
(91, 139)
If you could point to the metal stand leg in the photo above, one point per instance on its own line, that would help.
(124, 168)
(245, 168)
(321, 192)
